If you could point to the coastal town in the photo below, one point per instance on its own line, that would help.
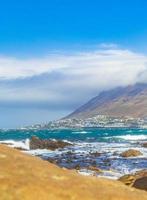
(99, 121)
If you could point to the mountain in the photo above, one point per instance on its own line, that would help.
(130, 101)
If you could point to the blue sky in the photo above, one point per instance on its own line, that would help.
(57, 54)
(31, 27)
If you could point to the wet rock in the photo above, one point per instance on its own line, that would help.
(69, 160)
(51, 160)
(20, 148)
(69, 153)
(36, 143)
(141, 173)
(95, 154)
(95, 169)
(6, 143)
(77, 167)
(115, 153)
(107, 162)
(94, 163)
(144, 145)
(131, 153)
(141, 183)
(127, 179)
(137, 180)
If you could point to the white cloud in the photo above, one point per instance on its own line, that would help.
(107, 60)
(69, 79)
(108, 45)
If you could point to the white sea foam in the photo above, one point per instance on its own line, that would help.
(80, 132)
(132, 137)
(106, 174)
(44, 152)
(111, 151)
(85, 172)
(18, 144)
(67, 141)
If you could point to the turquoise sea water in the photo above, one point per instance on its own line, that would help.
(110, 143)
(87, 134)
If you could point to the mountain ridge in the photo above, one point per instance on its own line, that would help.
(128, 101)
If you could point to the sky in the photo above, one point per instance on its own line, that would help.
(55, 55)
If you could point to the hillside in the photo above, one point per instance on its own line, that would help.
(128, 101)
(25, 177)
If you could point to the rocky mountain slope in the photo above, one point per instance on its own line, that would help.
(24, 177)
(128, 101)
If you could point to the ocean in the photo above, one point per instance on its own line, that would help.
(99, 147)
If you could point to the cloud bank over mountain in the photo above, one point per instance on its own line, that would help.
(63, 81)
(108, 60)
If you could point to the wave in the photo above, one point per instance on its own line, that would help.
(80, 132)
(17, 144)
(132, 137)
(110, 161)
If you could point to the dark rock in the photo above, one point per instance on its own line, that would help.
(95, 154)
(144, 145)
(77, 167)
(69, 160)
(69, 153)
(36, 143)
(141, 183)
(127, 179)
(115, 153)
(20, 148)
(141, 173)
(6, 143)
(93, 163)
(131, 153)
(137, 180)
(51, 160)
(95, 169)
(107, 162)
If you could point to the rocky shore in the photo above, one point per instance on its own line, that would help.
(25, 177)
(37, 143)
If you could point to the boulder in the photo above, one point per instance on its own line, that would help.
(131, 153)
(127, 179)
(36, 143)
(137, 180)
(141, 183)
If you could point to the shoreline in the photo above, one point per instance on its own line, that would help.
(93, 152)
(99, 163)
